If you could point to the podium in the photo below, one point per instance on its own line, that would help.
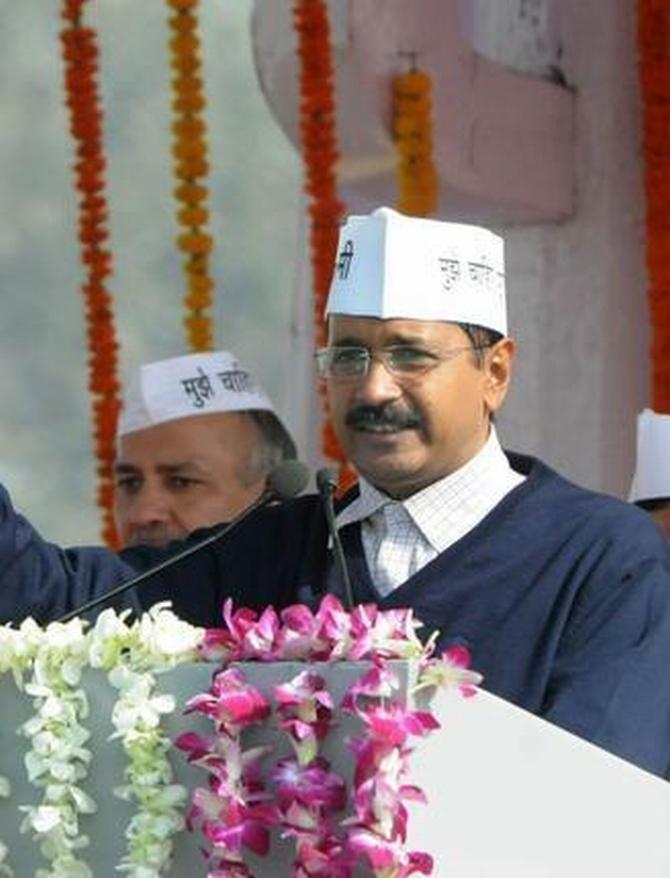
(509, 795)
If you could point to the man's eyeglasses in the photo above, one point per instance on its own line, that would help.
(349, 361)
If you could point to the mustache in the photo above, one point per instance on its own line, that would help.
(361, 417)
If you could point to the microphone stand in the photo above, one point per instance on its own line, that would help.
(268, 494)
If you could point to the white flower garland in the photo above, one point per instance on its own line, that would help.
(58, 761)
(132, 655)
(17, 648)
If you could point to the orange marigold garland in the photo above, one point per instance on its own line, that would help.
(418, 180)
(191, 167)
(654, 51)
(81, 60)
(320, 154)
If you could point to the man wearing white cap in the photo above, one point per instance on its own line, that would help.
(197, 438)
(650, 489)
(563, 595)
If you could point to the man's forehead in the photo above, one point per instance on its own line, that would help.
(185, 439)
(343, 326)
(132, 465)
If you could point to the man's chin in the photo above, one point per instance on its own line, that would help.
(391, 473)
(383, 442)
(151, 540)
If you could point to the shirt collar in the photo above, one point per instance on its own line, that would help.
(477, 485)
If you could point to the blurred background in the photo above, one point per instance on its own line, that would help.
(45, 452)
(576, 275)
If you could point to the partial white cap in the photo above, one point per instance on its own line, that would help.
(394, 266)
(652, 469)
(194, 384)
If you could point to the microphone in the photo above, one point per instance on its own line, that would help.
(285, 481)
(327, 483)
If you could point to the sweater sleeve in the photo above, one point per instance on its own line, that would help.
(42, 580)
(266, 561)
(610, 679)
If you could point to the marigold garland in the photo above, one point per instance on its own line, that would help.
(320, 154)
(654, 52)
(81, 62)
(191, 167)
(418, 180)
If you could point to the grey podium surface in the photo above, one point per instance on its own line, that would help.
(510, 796)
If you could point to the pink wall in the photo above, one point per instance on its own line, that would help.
(577, 289)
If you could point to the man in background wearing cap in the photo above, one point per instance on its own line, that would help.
(650, 489)
(197, 439)
(563, 595)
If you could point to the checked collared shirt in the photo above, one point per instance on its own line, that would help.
(401, 537)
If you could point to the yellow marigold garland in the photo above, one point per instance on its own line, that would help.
(191, 167)
(418, 180)
(320, 154)
(81, 61)
(654, 50)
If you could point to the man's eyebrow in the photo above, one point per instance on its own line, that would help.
(395, 339)
(186, 466)
(406, 339)
(348, 342)
(122, 468)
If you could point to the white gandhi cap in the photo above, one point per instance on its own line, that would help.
(394, 266)
(652, 468)
(193, 384)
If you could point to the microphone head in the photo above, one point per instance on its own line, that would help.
(326, 480)
(288, 479)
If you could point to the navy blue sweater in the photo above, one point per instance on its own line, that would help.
(563, 596)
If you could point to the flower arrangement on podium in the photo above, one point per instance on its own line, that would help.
(263, 748)
(47, 665)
